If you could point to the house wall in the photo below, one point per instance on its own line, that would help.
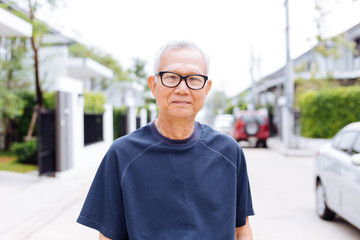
(75, 88)
(76, 111)
(346, 66)
(53, 63)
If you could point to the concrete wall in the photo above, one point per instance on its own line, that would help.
(75, 88)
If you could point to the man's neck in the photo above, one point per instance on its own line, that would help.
(175, 129)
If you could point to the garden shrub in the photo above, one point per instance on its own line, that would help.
(26, 152)
(119, 121)
(50, 100)
(94, 103)
(325, 112)
(22, 122)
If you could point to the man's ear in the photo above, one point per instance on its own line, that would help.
(208, 86)
(152, 85)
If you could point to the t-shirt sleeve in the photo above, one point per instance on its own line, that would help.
(103, 208)
(244, 206)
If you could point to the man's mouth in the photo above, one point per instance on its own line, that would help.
(181, 102)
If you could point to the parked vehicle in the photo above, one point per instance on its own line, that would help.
(252, 126)
(224, 123)
(338, 176)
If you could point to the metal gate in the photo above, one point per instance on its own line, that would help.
(46, 142)
(93, 128)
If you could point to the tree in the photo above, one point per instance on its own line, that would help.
(138, 74)
(216, 102)
(331, 48)
(138, 71)
(39, 29)
(12, 84)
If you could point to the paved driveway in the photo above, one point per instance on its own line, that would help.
(284, 200)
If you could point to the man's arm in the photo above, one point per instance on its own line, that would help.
(244, 232)
(102, 237)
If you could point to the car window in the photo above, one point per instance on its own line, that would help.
(346, 141)
(356, 147)
(252, 118)
(336, 140)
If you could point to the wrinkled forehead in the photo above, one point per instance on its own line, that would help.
(191, 58)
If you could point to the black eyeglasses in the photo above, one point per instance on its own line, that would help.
(193, 81)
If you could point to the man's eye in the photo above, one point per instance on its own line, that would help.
(195, 79)
(170, 76)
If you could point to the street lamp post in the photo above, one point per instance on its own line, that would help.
(288, 123)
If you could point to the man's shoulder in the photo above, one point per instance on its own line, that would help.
(136, 139)
(125, 148)
(220, 143)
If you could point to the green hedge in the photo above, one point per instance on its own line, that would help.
(325, 112)
(119, 121)
(22, 122)
(94, 103)
(50, 100)
(26, 152)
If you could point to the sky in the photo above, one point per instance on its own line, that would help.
(231, 32)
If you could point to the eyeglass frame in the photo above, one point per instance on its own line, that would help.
(182, 78)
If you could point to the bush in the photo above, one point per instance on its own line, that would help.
(26, 152)
(119, 122)
(94, 103)
(22, 123)
(325, 112)
(50, 100)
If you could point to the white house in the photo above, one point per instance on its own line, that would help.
(347, 66)
(13, 26)
(126, 93)
(346, 69)
(55, 61)
(70, 76)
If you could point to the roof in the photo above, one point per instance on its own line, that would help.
(84, 68)
(13, 26)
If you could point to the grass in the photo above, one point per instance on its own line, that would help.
(8, 163)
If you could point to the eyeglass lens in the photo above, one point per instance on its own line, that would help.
(170, 79)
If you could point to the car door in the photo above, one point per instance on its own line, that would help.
(339, 176)
(351, 194)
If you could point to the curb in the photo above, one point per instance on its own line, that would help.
(278, 146)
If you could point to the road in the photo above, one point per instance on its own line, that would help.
(284, 199)
(282, 187)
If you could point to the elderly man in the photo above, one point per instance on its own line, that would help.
(175, 178)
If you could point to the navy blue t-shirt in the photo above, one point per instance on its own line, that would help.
(152, 187)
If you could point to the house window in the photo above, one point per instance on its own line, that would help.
(356, 64)
(357, 46)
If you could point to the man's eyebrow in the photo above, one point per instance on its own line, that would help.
(188, 73)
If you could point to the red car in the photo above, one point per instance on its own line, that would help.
(252, 126)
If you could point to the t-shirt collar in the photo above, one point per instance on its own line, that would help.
(185, 141)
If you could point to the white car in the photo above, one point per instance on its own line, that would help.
(338, 176)
(224, 123)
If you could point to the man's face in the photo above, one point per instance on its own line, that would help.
(180, 102)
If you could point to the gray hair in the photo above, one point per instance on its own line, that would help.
(179, 45)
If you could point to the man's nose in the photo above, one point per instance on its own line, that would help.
(182, 86)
